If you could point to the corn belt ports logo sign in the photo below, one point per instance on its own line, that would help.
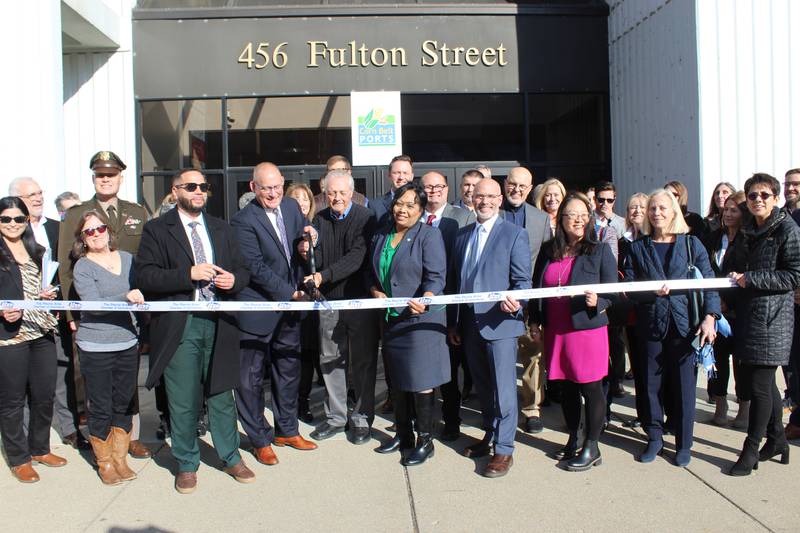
(376, 130)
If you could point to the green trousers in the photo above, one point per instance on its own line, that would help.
(184, 378)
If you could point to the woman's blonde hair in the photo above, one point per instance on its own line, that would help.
(678, 224)
(539, 198)
(635, 196)
(297, 186)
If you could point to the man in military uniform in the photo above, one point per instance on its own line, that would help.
(126, 220)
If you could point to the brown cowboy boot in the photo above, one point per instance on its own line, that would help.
(120, 439)
(102, 455)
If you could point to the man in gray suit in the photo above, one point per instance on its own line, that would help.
(439, 214)
(491, 255)
(536, 222)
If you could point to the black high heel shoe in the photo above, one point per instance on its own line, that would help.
(770, 450)
(748, 460)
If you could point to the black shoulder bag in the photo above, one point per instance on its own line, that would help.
(695, 297)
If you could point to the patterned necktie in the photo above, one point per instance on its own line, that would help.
(206, 293)
(430, 220)
(282, 233)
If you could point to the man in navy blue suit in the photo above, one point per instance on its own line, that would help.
(269, 230)
(401, 171)
(491, 255)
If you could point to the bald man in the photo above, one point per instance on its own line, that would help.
(518, 211)
(491, 255)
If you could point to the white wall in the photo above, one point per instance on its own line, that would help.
(31, 140)
(749, 64)
(99, 109)
(654, 99)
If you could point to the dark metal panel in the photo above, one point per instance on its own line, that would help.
(199, 58)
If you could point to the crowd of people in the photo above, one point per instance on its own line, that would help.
(287, 244)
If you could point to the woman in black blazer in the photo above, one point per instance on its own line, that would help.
(575, 329)
(408, 261)
(27, 348)
(667, 372)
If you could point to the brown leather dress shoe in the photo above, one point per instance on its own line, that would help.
(266, 456)
(792, 432)
(498, 466)
(49, 460)
(297, 442)
(25, 473)
(138, 450)
(240, 473)
(186, 482)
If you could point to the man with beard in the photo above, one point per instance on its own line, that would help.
(489, 330)
(188, 255)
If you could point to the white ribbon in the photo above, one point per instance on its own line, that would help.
(371, 303)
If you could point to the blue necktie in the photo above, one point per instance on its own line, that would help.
(470, 262)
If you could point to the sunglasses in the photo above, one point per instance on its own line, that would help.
(19, 220)
(91, 231)
(753, 196)
(191, 187)
(605, 200)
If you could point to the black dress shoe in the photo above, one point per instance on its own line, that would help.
(450, 433)
(480, 449)
(533, 424)
(326, 431)
(396, 443)
(360, 435)
(304, 413)
(77, 441)
(632, 423)
(421, 452)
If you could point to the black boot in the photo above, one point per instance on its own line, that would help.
(772, 448)
(423, 402)
(569, 450)
(587, 458)
(404, 437)
(748, 459)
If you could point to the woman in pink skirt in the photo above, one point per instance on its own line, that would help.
(575, 336)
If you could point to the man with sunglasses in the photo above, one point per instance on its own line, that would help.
(188, 255)
(45, 230)
(126, 220)
(605, 197)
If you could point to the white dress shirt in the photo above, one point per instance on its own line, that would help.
(438, 214)
(205, 240)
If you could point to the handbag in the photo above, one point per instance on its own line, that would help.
(695, 307)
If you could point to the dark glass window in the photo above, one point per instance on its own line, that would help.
(463, 127)
(292, 130)
(181, 133)
(567, 127)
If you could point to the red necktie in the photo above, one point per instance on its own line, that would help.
(430, 220)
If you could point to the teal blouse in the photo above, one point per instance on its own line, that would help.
(384, 266)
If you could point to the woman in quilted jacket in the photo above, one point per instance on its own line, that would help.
(765, 311)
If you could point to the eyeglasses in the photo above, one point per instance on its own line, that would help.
(89, 232)
(481, 197)
(791, 183)
(31, 195)
(516, 186)
(19, 220)
(753, 196)
(577, 216)
(435, 188)
(407, 205)
(605, 200)
(268, 188)
(191, 187)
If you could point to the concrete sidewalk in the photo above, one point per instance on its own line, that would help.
(342, 487)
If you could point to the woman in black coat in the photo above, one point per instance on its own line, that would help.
(27, 347)
(726, 249)
(408, 261)
(575, 329)
(664, 325)
(765, 317)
